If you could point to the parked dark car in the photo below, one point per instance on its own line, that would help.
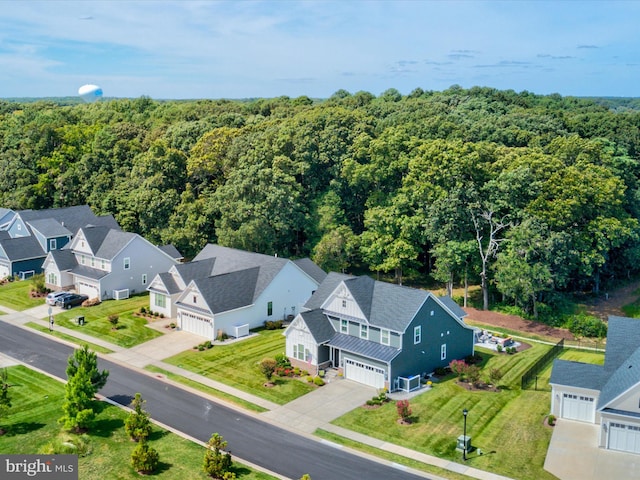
(71, 300)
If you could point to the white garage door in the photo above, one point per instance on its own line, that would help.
(364, 373)
(578, 407)
(195, 324)
(87, 289)
(623, 437)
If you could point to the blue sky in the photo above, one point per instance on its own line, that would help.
(240, 49)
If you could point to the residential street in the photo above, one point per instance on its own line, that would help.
(250, 439)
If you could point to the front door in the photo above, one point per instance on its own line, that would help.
(336, 358)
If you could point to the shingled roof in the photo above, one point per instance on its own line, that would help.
(72, 218)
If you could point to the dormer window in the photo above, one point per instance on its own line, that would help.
(53, 244)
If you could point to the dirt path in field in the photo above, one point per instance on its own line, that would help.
(612, 303)
(513, 322)
(603, 306)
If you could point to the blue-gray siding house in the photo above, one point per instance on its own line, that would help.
(377, 333)
(27, 236)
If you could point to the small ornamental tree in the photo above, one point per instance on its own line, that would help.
(495, 375)
(267, 367)
(113, 320)
(144, 459)
(5, 400)
(473, 374)
(137, 425)
(217, 464)
(404, 410)
(83, 382)
(458, 367)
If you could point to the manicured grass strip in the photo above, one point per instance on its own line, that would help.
(392, 457)
(32, 425)
(15, 295)
(64, 336)
(236, 364)
(571, 354)
(131, 330)
(506, 425)
(208, 390)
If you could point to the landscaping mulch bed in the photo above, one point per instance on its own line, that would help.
(513, 322)
(479, 387)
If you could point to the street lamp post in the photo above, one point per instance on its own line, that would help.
(464, 438)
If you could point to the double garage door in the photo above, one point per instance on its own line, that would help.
(196, 324)
(625, 438)
(364, 373)
(578, 407)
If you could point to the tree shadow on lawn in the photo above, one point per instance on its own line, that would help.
(22, 428)
(161, 468)
(158, 434)
(106, 427)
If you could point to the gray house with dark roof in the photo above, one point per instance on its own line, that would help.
(377, 333)
(228, 290)
(104, 263)
(28, 235)
(609, 394)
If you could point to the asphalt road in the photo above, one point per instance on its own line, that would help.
(250, 439)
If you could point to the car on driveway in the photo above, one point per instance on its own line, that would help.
(71, 300)
(53, 297)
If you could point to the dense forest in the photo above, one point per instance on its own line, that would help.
(531, 196)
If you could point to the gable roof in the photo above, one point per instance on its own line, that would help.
(168, 281)
(623, 338)
(326, 288)
(22, 248)
(384, 305)
(578, 374)
(72, 218)
(228, 291)
(311, 269)
(106, 242)
(195, 269)
(318, 325)
(172, 251)
(452, 305)
(49, 228)
(625, 376)
(64, 259)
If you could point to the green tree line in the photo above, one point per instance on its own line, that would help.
(528, 195)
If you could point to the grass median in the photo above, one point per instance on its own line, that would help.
(31, 427)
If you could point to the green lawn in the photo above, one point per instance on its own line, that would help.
(32, 428)
(206, 389)
(15, 295)
(507, 425)
(131, 329)
(69, 338)
(236, 364)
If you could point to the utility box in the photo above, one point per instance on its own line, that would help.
(80, 321)
(464, 443)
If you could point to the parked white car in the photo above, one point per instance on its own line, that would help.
(53, 297)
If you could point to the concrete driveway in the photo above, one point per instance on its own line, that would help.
(317, 408)
(573, 454)
(165, 346)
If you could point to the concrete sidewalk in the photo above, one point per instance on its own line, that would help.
(304, 415)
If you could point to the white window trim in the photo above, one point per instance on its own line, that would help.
(443, 351)
(144, 279)
(385, 332)
(53, 244)
(364, 331)
(127, 263)
(417, 334)
(344, 326)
